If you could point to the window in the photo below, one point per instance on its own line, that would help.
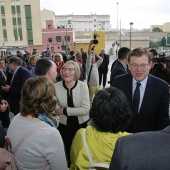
(68, 38)
(50, 39)
(94, 25)
(28, 11)
(94, 20)
(5, 33)
(29, 20)
(28, 7)
(21, 38)
(2, 10)
(49, 26)
(13, 9)
(18, 9)
(14, 21)
(16, 38)
(30, 42)
(3, 22)
(58, 38)
(52, 49)
(29, 32)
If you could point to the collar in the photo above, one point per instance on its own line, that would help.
(72, 87)
(143, 82)
(16, 70)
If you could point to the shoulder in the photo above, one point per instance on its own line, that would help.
(81, 85)
(141, 138)
(157, 80)
(24, 70)
(123, 77)
(58, 84)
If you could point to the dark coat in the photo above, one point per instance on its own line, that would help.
(15, 88)
(142, 151)
(103, 68)
(118, 69)
(154, 112)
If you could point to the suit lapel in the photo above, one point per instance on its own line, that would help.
(129, 87)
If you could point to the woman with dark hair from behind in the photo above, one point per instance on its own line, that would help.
(45, 146)
(110, 117)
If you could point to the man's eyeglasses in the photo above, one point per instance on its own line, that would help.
(142, 66)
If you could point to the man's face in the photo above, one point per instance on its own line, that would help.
(139, 67)
(11, 66)
(2, 64)
(102, 51)
(53, 72)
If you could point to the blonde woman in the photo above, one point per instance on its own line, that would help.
(73, 103)
(58, 60)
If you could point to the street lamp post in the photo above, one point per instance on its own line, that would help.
(131, 23)
(117, 31)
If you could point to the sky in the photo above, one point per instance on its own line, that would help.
(142, 13)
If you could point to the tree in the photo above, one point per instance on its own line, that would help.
(154, 44)
(156, 29)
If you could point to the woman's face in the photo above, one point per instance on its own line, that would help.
(69, 72)
(57, 58)
(33, 62)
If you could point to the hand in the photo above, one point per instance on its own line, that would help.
(4, 102)
(59, 111)
(3, 107)
(5, 88)
(57, 117)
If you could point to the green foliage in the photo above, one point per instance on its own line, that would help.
(154, 44)
(156, 29)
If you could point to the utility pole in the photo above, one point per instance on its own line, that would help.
(117, 30)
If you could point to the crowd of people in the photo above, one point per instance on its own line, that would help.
(65, 102)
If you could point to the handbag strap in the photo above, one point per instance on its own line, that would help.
(92, 164)
(86, 147)
(89, 74)
(27, 135)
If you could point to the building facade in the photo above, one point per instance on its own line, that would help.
(19, 26)
(56, 39)
(91, 22)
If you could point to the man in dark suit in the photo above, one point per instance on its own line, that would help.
(147, 95)
(20, 75)
(142, 151)
(103, 68)
(120, 67)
